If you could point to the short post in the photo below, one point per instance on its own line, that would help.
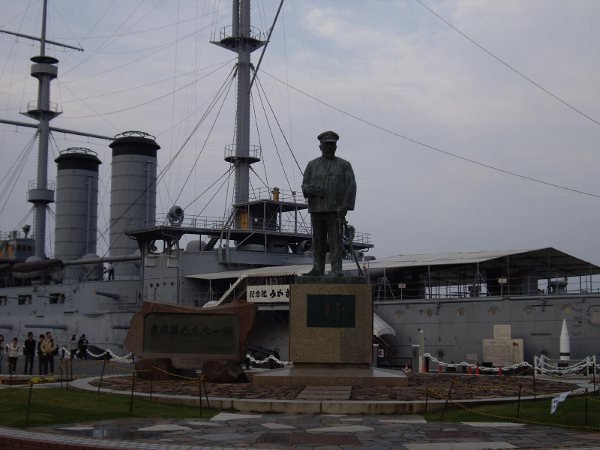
(586, 406)
(205, 392)
(426, 399)
(102, 374)
(200, 394)
(132, 387)
(448, 398)
(151, 381)
(519, 402)
(29, 402)
(61, 368)
(534, 387)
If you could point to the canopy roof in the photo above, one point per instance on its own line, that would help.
(539, 259)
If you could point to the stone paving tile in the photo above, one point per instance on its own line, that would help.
(460, 446)
(286, 431)
(494, 424)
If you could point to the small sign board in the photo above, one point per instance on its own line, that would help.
(271, 293)
(331, 311)
(182, 333)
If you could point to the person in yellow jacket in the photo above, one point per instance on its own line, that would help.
(49, 349)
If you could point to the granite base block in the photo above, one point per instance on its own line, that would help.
(331, 376)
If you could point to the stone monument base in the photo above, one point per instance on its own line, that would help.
(331, 375)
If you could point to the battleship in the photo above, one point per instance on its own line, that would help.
(255, 251)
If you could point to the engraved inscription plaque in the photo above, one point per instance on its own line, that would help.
(182, 333)
(331, 311)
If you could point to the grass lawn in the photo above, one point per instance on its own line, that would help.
(61, 406)
(570, 413)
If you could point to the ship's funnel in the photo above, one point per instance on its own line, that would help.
(76, 205)
(133, 193)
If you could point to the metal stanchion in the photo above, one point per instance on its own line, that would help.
(61, 369)
(151, 382)
(448, 398)
(519, 402)
(102, 374)
(29, 402)
(200, 394)
(586, 407)
(132, 387)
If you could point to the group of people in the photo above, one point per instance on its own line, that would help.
(46, 349)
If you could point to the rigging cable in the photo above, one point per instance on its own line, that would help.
(14, 172)
(273, 139)
(279, 126)
(162, 173)
(152, 100)
(259, 143)
(431, 147)
(224, 95)
(504, 63)
(226, 174)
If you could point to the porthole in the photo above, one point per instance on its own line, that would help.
(493, 311)
(429, 312)
(567, 310)
(440, 354)
(398, 314)
(460, 312)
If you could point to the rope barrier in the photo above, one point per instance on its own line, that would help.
(544, 367)
(267, 359)
(485, 413)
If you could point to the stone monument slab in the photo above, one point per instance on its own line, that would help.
(190, 336)
(503, 352)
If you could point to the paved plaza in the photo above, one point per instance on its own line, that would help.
(235, 430)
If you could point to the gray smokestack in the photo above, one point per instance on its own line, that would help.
(133, 193)
(76, 203)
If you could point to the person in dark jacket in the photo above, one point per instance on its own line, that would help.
(40, 354)
(29, 352)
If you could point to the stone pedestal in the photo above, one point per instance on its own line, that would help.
(331, 337)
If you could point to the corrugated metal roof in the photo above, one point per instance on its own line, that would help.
(444, 258)
(537, 257)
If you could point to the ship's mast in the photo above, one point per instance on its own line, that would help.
(45, 70)
(242, 40)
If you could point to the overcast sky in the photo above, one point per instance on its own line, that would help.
(511, 85)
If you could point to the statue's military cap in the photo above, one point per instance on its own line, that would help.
(328, 136)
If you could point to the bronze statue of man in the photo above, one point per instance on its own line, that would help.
(330, 188)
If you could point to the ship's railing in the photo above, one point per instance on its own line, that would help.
(216, 223)
(227, 32)
(287, 225)
(276, 194)
(394, 290)
(14, 234)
